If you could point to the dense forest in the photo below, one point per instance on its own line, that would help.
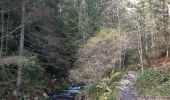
(84, 50)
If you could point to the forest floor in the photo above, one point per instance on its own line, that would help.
(159, 63)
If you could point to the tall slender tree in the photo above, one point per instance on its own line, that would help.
(21, 48)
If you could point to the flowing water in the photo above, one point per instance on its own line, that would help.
(69, 94)
(125, 87)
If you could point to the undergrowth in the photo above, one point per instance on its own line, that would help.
(154, 83)
(32, 80)
(106, 90)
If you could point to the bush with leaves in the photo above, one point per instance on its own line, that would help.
(99, 55)
(106, 89)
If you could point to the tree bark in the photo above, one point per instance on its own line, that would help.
(151, 30)
(2, 32)
(21, 48)
(140, 49)
(7, 31)
(119, 30)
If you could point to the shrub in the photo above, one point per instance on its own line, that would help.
(33, 76)
(106, 90)
(96, 92)
(98, 56)
(33, 71)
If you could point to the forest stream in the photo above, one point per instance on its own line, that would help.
(125, 89)
(70, 93)
(113, 49)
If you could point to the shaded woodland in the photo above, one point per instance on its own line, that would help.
(48, 45)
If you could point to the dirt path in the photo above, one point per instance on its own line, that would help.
(126, 86)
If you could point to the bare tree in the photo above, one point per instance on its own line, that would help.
(119, 30)
(21, 49)
(7, 31)
(140, 49)
(2, 32)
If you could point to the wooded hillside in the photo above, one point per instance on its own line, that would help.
(48, 45)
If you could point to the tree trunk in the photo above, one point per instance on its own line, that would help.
(119, 29)
(2, 33)
(167, 53)
(151, 30)
(7, 31)
(21, 49)
(165, 26)
(140, 49)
